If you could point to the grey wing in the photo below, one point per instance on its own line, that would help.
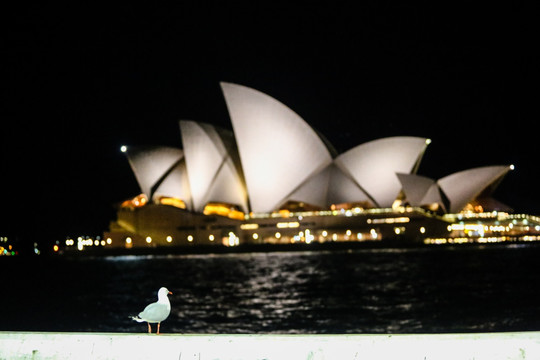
(155, 312)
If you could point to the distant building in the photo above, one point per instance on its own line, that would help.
(274, 179)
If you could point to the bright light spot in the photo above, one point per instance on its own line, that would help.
(128, 240)
(190, 238)
(278, 235)
(233, 239)
(348, 232)
(512, 167)
(309, 237)
(96, 242)
(109, 241)
(422, 230)
(102, 242)
(292, 224)
(211, 237)
(148, 239)
(428, 141)
(123, 148)
(325, 233)
(169, 238)
(55, 248)
(255, 236)
(249, 226)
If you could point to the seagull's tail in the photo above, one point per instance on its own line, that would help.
(136, 318)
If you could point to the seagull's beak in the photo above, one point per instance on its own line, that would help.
(170, 293)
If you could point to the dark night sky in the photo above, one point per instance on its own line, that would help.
(81, 81)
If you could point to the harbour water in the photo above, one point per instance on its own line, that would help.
(416, 290)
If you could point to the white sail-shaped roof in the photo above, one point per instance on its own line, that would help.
(279, 151)
(314, 190)
(342, 189)
(175, 184)
(373, 165)
(420, 190)
(434, 196)
(462, 187)
(212, 167)
(415, 187)
(151, 166)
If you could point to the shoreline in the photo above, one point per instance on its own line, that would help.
(268, 248)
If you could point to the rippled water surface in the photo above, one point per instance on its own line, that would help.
(423, 290)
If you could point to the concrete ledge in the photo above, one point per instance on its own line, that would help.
(488, 346)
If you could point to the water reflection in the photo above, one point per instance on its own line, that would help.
(368, 291)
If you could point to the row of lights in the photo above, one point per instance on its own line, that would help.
(169, 239)
(482, 240)
(85, 241)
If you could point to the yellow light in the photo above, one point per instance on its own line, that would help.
(96, 242)
(109, 241)
(190, 238)
(255, 236)
(148, 239)
(292, 224)
(249, 226)
(325, 233)
(422, 230)
(278, 235)
(103, 243)
(169, 238)
(211, 237)
(348, 233)
(128, 240)
(178, 203)
(55, 248)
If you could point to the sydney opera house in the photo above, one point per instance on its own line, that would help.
(274, 179)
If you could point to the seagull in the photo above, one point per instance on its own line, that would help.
(156, 312)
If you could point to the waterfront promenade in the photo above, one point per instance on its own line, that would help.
(479, 346)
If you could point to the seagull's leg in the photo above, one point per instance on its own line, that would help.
(149, 328)
(158, 327)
